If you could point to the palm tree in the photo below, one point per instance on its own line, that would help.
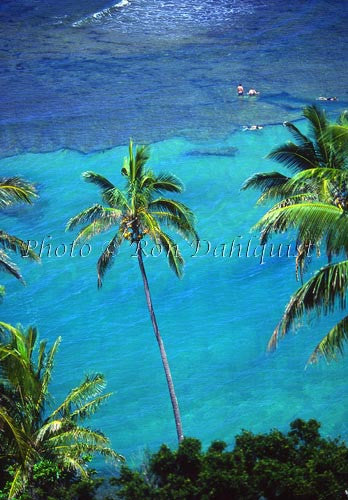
(308, 152)
(14, 190)
(314, 161)
(328, 287)
(317, 209)
(137, 212)
(28, 432)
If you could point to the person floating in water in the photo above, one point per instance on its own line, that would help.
(240, 89)
(253, 127)
(253, 92)
(321, 98)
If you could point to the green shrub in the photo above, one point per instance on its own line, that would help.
(296, 465)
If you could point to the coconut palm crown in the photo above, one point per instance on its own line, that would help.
(316, 150)
(314, 202)
(318, 163)
(30, 429)
(137, 212)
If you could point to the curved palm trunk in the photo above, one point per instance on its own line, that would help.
(166, 367)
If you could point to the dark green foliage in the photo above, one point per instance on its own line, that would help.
(296, 465)
(50, 482)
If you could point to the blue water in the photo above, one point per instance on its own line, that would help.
(75, 86)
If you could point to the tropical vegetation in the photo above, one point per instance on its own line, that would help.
(14, 190)
(297, 465)
(137, 212)
(314, 203)
(39, 442)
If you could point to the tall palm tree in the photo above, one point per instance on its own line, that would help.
(14, 190)
(29, 433)
(317, 209)
(138, 212)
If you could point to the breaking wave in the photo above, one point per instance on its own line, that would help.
(101, 15)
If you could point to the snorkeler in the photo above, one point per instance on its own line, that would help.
(321, 98)
(253, 127)
(253, 92)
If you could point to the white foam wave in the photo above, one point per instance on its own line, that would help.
(102, 14)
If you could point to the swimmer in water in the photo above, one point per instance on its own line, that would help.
(253, 127)
(253, 92)
(240, 89)
(321, 98)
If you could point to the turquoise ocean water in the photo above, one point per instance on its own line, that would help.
(77, 81)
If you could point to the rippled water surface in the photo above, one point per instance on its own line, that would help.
(87, 75)
(82, 77)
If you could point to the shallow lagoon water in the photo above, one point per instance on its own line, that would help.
(215, 322)
(89, 88)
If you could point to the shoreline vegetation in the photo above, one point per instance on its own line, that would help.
(46, 450)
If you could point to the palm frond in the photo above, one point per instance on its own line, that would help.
(41, 356)
(173, 207)
(14, 190)
(332, 343)
(51, 427)
(98, 180)
(76, 450)
(74, 464)
(93, 229)
(150, 224)
(88, 409)
(264, 181)
(18, 482)
(94, 214)
(30, 340)
(312, 220)
(141, 157)
(14, 332)
(136, 162)
(326, 289)
(317, 175)
(343, 118)
(18, 246)
(287, 197)
(105, 261)
(337, 137)
(13, 431)
(302, 257)
(294, 157)
(138, 209)
(318, 124)
(302, 140)
(91, 386)
(174, 256)
(125, 167)
(47, 373)
(130, 167)
(179, 225)
(76, 434)
(161, 182)
(116, 199)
